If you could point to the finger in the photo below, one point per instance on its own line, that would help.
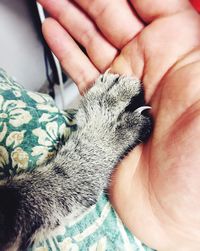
(83, 30)
(115, 19)
(149, 10)
(72, 59)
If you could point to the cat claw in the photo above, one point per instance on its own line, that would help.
(142, 108)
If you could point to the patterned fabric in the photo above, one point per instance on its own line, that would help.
(32, 129)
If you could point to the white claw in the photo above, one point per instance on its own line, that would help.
(106, 73)
(108, 70)
(142, 108)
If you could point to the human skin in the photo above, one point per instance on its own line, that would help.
(155, 190)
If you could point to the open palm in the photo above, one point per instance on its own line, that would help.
(156, 189)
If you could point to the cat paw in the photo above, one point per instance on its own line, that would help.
(114, 112)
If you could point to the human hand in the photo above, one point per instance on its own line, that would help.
(156, 189)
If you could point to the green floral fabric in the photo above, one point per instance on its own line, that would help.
(32, 129)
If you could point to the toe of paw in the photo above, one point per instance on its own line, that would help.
(146, 127)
